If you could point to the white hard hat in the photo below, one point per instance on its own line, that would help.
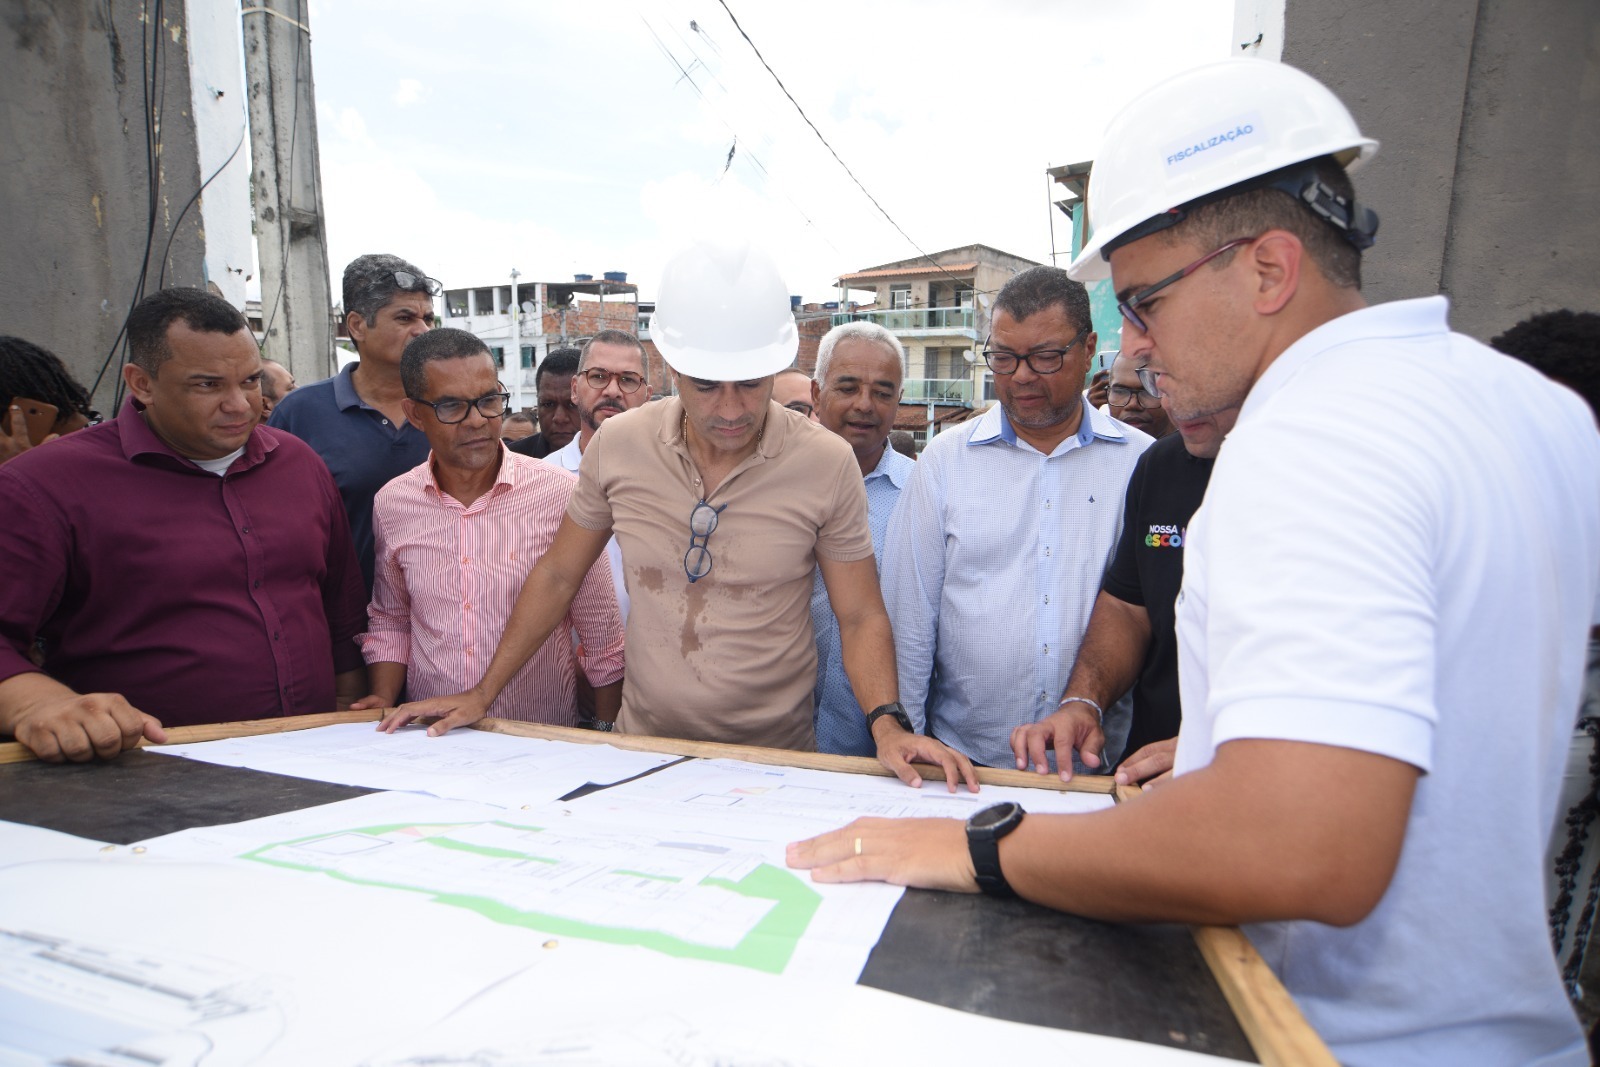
(722, 313)
(1210, 129)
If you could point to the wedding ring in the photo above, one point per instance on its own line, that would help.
(858, 846)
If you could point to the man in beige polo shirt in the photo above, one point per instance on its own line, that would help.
(724, 504)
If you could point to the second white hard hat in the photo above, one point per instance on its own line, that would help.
(722, 313)
(1204, 131)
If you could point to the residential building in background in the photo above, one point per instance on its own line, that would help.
(521, 322)
(1074, 182)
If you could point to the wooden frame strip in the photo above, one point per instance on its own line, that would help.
(782, 757)
(1271, 1019)
(12, 752)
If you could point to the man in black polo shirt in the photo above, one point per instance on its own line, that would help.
(354, 419)
(1131, 640)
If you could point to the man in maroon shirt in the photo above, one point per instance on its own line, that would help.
(178, 564)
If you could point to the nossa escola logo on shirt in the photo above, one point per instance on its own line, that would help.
(1164, 536)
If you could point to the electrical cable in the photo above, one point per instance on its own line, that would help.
(294, 131)
(881, 210)
(150, 60)
(173, 236)
(155, 102)
(755, 160)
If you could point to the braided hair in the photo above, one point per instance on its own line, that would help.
(30, 371)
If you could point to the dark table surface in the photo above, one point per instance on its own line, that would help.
(1006, 959)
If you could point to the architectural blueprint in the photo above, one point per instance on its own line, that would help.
(127, 961)
(500, 769)
(690, 892)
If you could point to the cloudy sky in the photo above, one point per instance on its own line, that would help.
(477, 136)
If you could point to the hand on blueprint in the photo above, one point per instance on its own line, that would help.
(60, 726)
(897, 749)
(463, 709)
(1153, 761)
(1071, 728)
(926, 853)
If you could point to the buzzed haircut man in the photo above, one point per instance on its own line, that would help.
(179, 564)
(558, 414)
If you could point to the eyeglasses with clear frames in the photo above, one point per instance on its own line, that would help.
(450, 411)
(627, 381)
(702, 524)
(1130, 306)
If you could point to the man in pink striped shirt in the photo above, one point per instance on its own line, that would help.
(456, 537)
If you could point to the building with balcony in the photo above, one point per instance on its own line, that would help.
(521, 323)
(938, 306)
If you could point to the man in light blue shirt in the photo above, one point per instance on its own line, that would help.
(998, 545)
(855, 393)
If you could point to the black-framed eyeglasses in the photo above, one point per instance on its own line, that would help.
(450, 411)
(413, 283)
(1045, 361)
(627, 381)
(702, 524)
(1130, 306)
(1122, 396)
(801, 406)
(1147, 378)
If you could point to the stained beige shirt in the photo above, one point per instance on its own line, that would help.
(730, 657)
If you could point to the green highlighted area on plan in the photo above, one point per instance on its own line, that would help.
(686, 895)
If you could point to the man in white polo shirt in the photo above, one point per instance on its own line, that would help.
(1381, 636)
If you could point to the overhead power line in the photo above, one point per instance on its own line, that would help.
(865, 192)
(732, 157)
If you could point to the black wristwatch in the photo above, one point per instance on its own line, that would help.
(898, 710)
(984, 831)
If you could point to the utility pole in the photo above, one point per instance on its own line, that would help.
(295, 299)
(513, 358)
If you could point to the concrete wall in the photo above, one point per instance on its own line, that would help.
(1488, 178)
(74, 202)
